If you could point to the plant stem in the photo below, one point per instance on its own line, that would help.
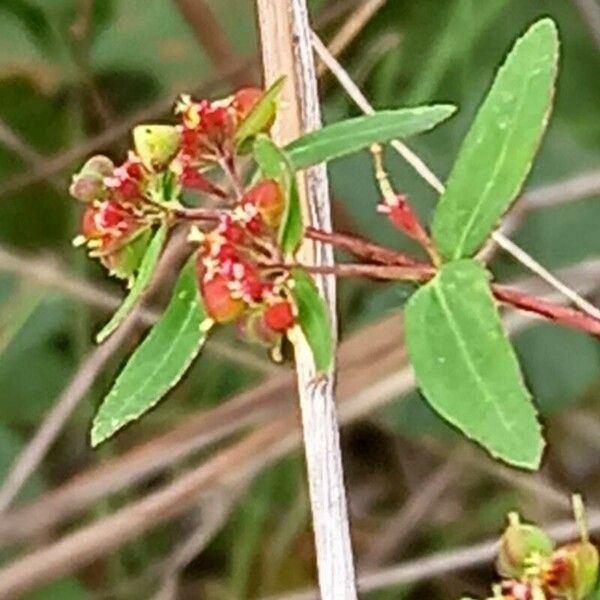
(361, 247)
(561, 314)
(227, 164)
(386, 272)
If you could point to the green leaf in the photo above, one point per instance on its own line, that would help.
(313, 319)
(274, 164)
(466, 367)
(159, 362)
(291, 230)
(142, 280)
(497, 153)
(261, 115)
(271, 160)
(352, 135)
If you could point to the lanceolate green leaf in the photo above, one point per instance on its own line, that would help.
(274, 164)
(158, 363)
(291, 230)
(498, 151)
(261, 115)
(352, 135)
(313, 319)
(466, 367)
(142, 280)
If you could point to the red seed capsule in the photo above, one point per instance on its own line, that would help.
(573, 571)
(218, 301)
(268, 199)
(279, 316)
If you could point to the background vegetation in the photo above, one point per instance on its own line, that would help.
(74, 75)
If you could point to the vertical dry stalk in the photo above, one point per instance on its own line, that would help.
(287, 49)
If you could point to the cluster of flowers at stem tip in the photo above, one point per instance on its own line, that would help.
(239, 263)
(532, 567)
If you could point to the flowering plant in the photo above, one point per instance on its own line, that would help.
(219, 174)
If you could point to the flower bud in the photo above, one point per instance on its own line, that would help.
(88, 184)
(98, 165)
(218, 301)
(87, 187)
(279, 316)
(402, 216)
(156, 145)
(573, 571)
(254, 329)
(519, 543)
(267, 196)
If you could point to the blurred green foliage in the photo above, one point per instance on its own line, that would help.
(139, 51)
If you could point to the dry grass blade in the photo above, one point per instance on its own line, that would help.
(85, 376)
(210, 34)
(351, 28)
(590, 11)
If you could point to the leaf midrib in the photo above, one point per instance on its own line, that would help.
(166, 356)
(411, 115)
(491, 182)
(488, 396)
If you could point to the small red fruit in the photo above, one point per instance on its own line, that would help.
(218, 301)
(268, 199)
(279, 316)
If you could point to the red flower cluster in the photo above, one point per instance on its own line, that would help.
(238, 255)
(115, 213)
(233, 266)
(207, 133)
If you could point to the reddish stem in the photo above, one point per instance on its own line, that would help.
(362, 248)
(561, 314)
(415, 273)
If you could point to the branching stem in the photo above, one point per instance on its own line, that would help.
(361, 247)
(561, 314)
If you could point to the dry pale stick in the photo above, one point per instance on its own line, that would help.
(425, 172)
(351, 28)
(287, 49)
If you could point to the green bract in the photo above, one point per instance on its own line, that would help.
(313, 319)
(142, 279)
